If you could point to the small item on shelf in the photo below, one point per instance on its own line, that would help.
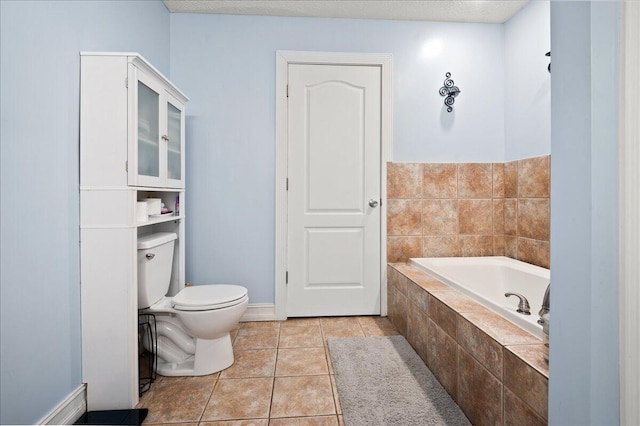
(165, 214)
(164, 209)
(154, 206)
(141, 211)
(177, 209)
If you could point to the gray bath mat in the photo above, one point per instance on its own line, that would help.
(382, 381)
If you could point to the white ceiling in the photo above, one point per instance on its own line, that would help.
(483, 11)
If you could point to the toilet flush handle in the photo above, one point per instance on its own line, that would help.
(150, 256)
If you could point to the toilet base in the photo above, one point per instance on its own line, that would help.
(211, 356)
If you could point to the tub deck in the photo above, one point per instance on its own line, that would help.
(493, 369)
(487, 279)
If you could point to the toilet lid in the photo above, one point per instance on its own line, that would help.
(205, 297)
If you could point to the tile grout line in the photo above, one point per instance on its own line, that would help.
(273, 381)
(204, 409)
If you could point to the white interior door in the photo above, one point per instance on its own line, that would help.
(334, 146)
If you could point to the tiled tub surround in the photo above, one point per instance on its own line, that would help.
(469, 209)
(494, 370)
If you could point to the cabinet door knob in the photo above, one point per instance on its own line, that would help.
(150, 256)
(373, 203)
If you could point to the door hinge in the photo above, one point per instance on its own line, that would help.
(287, 184)
(126, 82)
(287, 90)
(126, 166)
(286, 279)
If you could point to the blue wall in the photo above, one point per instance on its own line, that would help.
(583, 387)
(39, 270)
(527, 37)
(226, 64)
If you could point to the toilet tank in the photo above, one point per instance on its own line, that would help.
(155, 260)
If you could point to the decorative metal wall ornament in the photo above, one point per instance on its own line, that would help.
(450, 91)
(549, 67)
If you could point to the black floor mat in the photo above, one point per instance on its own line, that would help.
(113, 417)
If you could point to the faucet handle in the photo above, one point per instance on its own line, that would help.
(523, 305)
(545, 309)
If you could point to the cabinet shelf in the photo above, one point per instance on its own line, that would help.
(156, 220)
(148, 141)
(156, 189)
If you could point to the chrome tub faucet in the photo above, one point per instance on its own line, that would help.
(523, 305)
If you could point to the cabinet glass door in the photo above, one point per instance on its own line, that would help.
(174, 148)
(148, 131)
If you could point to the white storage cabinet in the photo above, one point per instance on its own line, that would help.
(157, 130)
(131, 148)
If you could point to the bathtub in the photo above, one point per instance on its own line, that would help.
(487, 279)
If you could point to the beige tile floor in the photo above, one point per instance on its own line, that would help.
(282, 375)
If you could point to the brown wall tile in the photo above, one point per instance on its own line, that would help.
(404, 180)
(420, 278)
(439, 217)
(481, 346)
(400, 249)
(511, 216)
(475, 180)
(479, 392)
(517, 413)
(500, 329)
(428, 283)
(476, 245)
(526, 383)
(417, 329)
(440, 180)
(442, 358)
(392, 277)
(400, 282)
(511, 246)
(475, 217)
(498, 180)
(404, 217)
(443, 246)
(457, 301)
(533, 218)
(417, 295)
(534, 177)
(511, 179)
(534, 252)
(443, 316)
(453, 207)
(397, 309)
(534, 356)
(498, 216)
(498, 245)
(391, 308)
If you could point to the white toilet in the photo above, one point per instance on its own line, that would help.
(193, 326)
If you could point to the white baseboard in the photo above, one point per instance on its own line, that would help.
(260, 312)
(69, 410)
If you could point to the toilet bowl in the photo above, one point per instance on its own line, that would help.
(192, 328)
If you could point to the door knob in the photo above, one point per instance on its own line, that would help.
(373, 203)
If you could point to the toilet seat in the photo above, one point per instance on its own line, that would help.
(209, 297)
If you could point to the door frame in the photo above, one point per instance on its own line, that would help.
(629, 214)
(283, 59)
